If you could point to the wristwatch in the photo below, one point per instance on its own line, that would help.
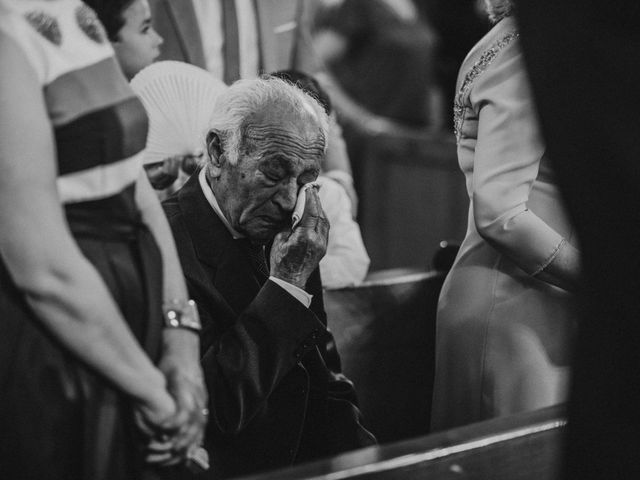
(181, 314)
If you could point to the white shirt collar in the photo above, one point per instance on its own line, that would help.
(208, 194)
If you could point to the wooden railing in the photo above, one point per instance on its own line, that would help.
(526, 446)
(385, 333)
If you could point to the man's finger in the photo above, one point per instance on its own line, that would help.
(312, 205)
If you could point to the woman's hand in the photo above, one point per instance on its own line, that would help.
(176, 436)
(188, 390)
(151, 418)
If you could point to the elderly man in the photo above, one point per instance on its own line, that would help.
(277, 396)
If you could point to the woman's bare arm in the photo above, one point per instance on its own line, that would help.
(61, 286)
(180, 360)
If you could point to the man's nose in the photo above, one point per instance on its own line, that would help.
(287, 195)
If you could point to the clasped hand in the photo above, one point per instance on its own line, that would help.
(172, 435)
(296, 253)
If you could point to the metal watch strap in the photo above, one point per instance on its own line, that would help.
(181, 314)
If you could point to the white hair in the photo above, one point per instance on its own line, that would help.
(498, 9)
(234, 107)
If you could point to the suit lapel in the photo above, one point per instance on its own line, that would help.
(232, 273)
(184, 18)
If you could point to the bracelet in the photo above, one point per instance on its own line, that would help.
(551, 258)
(181, 314)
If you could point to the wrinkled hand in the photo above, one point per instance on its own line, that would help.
(296, 254)
(162, 174)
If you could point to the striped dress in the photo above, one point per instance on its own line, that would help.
(58, 420)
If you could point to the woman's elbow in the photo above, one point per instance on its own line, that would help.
(42, 283)
(42, 277)
(486, 221)
(493, 217)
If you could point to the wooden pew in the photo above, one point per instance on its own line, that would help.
(526, 446)
(385, 333)
(412, 196)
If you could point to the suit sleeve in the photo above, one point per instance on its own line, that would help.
(506, 163)
(344, 424)
(247, 361)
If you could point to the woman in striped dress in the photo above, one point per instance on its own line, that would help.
(88, 268)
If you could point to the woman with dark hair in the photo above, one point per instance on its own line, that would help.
(128, 26)
(99, 353)
(506, 315)
(137, 45)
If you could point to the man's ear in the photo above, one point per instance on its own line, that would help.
(216, 155)
(214, 146)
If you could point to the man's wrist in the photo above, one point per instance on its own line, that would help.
(294, 290)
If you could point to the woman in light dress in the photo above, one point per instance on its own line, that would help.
(506, 315)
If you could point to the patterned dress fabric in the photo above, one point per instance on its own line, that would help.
(59, 419)
(503, 336)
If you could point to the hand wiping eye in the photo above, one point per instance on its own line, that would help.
(298, 210)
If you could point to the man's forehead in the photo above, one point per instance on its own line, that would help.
(291, 134)
(285, 118)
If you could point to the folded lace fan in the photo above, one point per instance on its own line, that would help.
(179, 99)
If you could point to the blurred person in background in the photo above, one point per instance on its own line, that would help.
(506, 314)
(128, 25)
(136, 44)
(235, 39)
(89, 268)
(381, 54)
(458, 24)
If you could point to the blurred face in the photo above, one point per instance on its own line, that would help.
(138, 44)
(258, 194)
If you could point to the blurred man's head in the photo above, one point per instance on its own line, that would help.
(128, 26)
(266, 139)
(308, 84)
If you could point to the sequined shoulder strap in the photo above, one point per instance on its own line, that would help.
(474, 72)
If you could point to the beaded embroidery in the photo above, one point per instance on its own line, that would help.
(45, 25)
(89, 24)
(478, 68)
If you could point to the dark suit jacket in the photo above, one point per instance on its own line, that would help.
(276, 394)
(283, 42)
